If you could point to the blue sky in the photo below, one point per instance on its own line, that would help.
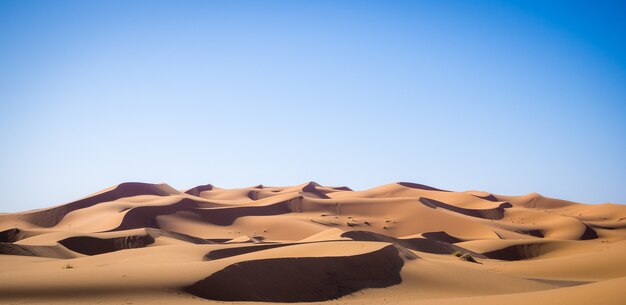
(510, 97)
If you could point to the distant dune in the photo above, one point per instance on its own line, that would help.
(401, 243)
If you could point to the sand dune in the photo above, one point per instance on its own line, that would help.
(301, 279)
(51, 217)
(394, 244)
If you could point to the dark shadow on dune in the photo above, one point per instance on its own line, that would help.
(441, 236)
(342, 188)
(51, 217)
(420, 186)
(228, 252)
(305, 279)
(155, 233)
(535, 233)
(494, 213)
(489, 197)
(589, 233)
(218, 240)
(10, 235)
(253, 195)
(517, 252)
(560, 283)
(199, 189)
(94, 246)
(311, 188)
(417, 244)
(41, 251)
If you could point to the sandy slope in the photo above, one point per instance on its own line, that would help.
(139, 243)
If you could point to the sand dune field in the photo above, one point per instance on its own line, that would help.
(400, 243)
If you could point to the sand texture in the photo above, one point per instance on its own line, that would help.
(400, 243)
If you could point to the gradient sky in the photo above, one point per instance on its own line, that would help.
(511, 97)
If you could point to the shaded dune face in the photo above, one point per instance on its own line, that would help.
(156, 233)
(312, 188)
(301, 279)
(228, 252)
(94, 246)
(518, 252)
(589, 233)
(10, 235)
(489, 197)
(41, 251)
(420, 186)
(196, 191)
(417, 244)
(494, 214)
(441, 236)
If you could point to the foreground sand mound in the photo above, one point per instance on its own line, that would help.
(400, 243)
(303, 279)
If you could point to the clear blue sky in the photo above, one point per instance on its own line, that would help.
(510, 97)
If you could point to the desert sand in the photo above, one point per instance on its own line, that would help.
(401, 243)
